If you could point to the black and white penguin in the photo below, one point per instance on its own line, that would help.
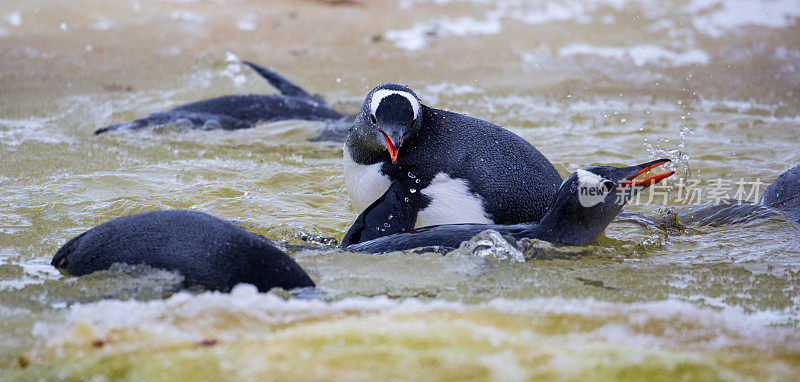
(216, 254)
(585, 204)
(206, 250)
(243, 111)
(467, 170)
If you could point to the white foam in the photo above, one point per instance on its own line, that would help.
(13, 19)
(423, 33)
(234, 69)
(248, 22)
(710, 17)
(714, 17)
(432, 93)
(177, 317)
(640, 55)
(187, 16)
(103, 24)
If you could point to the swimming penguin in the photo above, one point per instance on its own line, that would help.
(206, 250)
(214, 253)
(585, 204)
(467, 170)
(243, 111)
(784, 194)
(782, 197)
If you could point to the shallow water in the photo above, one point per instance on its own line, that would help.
(712, 85)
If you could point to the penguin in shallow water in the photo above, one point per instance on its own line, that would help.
(784, 194)
(585, 204)
(781, 197)
(217, 254)
(466, 170)
(243, 111)
(206, 250)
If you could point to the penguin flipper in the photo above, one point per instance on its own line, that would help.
(135, 125)
(283, 85)
(394, 212)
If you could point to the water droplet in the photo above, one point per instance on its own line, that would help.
(406, 200)
(410, 175)
(417, 181)
(413, 191)
(386, 225)
(623, 120)
(391, 216)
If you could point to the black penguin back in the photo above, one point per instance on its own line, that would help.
(784, 194)
(515, 181)
(204, 249)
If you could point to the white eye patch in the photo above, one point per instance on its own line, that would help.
(591, 190)
(379, 95)
(589, 179)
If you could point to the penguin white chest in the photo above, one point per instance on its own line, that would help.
(365, 183)
(451, 203)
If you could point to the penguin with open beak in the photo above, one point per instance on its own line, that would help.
(466, 170)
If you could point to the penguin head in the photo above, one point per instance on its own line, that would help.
(590, 198)
(389, 117)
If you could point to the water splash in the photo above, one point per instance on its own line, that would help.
(490, 244)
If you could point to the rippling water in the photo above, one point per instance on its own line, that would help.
(711, 84)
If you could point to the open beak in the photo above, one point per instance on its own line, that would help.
(391, 146)
(648, 181)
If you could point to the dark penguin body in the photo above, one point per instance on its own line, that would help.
(467, 170)
(205, 250)
(782, 197)
(242, 111)
(214, 253)
(583, 207)
(784, 194)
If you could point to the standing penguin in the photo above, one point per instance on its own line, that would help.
(467, 170)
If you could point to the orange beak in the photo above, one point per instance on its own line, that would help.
(652, 179)
(391, 146)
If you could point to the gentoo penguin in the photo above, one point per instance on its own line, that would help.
(206, 250)
(782, 197)
(585, 204)
(215, 254)
(467, 170)
(242, 111)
